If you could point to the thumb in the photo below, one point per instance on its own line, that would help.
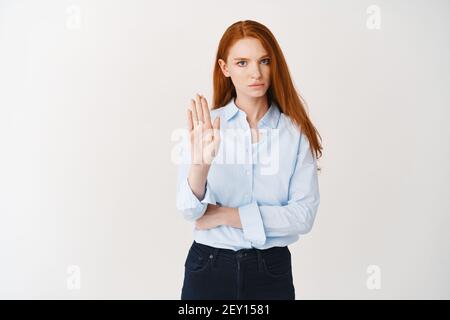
(216, 124)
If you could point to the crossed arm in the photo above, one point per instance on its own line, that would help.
(215, 216)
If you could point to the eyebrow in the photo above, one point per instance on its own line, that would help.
(265, 56)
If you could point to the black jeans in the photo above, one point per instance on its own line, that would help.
(215, 273)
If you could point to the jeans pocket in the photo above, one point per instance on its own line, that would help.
(196, 260)
(277, 263)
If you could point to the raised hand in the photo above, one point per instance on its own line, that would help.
(203, 135)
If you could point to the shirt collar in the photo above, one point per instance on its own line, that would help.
(270, 118)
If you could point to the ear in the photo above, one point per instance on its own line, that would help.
(223, 67)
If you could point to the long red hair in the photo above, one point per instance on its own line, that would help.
(281, 90)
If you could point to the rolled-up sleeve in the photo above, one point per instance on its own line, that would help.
(252, 224)
(187, 203)
(298, 215)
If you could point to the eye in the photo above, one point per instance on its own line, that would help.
(238, 63)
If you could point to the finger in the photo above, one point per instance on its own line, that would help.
(198, 107)
(206, 114)
(216, 128)
(190, 123)
(194, 112)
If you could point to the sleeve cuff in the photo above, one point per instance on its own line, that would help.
(188, 201)
(252, 224)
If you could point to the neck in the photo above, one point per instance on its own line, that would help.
(254, 108)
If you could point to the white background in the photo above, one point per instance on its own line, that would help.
(90, 92)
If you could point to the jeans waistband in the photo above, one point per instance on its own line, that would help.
(213, 252)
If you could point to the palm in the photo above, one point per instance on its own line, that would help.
(204, 136)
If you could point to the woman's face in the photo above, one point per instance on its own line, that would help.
(247, 64)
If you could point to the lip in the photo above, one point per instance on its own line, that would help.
(256, 85)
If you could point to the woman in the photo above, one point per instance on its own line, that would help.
(246, 213)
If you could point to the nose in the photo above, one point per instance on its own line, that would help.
(255, 72)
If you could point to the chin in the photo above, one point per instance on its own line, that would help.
(257, 94)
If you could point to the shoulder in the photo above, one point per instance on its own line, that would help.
(219, 112)
(293, 130)
(287, 124)
(216, 112)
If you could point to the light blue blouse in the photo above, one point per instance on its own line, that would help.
(273, 182)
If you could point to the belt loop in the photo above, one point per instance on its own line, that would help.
(260, 266)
